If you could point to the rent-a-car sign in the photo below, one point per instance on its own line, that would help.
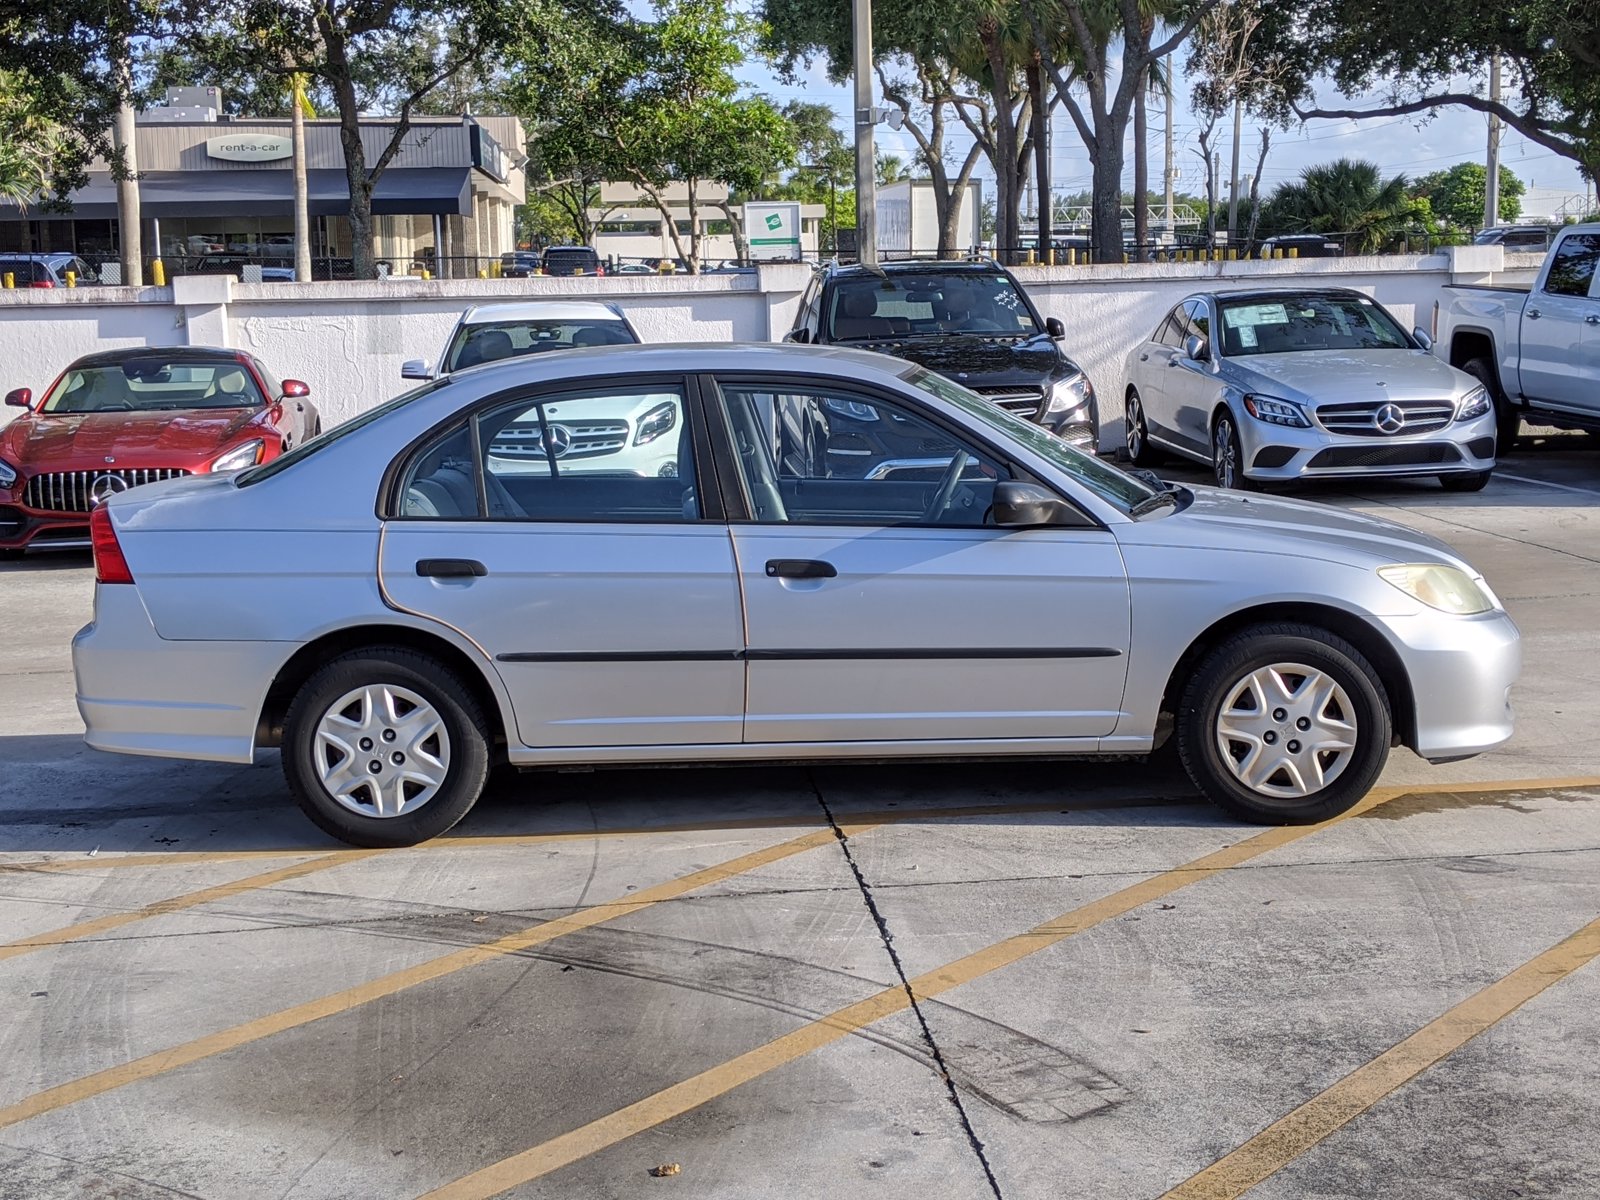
(249, 147)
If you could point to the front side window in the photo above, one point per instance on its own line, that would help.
(1572, 265)
(816, 455)
(927, 305)
(491, 341)
(1288, 324)
(145, 384)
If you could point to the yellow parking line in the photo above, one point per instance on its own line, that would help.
(221, 891)
(680, 1098)
(387, 985)
(1280, 1143)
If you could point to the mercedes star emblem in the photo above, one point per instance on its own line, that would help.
(105, 487)
(1390, 418)
(560, 440)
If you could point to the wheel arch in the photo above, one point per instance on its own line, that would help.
(1470, 343)
(1356, 630)
(303, 663)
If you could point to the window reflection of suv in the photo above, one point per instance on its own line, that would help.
(1524, 239)
(968, 321)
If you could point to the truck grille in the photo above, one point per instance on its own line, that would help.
(573, 439)
(74, 491)
(1363, 419)
(1024, 401)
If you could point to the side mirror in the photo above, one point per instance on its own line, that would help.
(1024, 505)
(415, 369)
(801, 336)
(21, 398)
(1195, 348)
(293, 389)
(1054, 327)
(1423, 338)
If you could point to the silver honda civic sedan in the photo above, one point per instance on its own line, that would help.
(849, 557)
(1285, 384)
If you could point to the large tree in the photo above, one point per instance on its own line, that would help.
(1348, 197)
(370, 56)
(1458, 195)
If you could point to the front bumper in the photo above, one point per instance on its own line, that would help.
(23, 527)
(1461, 671)
(1275, 453)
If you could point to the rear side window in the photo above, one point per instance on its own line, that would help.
(1572, 265)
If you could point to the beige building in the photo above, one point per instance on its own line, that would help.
(629, 227)
(211, 185)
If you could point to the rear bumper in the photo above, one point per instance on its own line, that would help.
(1461, 670)
(139, 694)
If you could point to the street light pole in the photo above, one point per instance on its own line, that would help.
(866, 164)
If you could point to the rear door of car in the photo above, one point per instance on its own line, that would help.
(1157, 355)
(607, 600)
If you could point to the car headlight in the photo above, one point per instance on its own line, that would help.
(8, 474)
(656, 422)
(1445, 588)
(853, 409)
(1066, 395)
(1276, 412)
(1474, 404)
(247, 455)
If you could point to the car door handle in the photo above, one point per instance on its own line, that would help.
(1144, 358)
(450, 568)
(1533, 314)
(799, 568)
(1592, 319)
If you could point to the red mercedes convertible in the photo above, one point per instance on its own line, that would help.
(120, 418)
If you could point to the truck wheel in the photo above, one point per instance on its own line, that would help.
(1508, 421)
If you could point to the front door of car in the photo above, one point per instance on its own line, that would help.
(880, 605)
(1192, 387)
(568, 535)
(1560, 364)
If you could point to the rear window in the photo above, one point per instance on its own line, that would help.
(1572, 265)
(558, 262)
(323, 440)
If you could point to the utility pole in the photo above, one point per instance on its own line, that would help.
(302, 209)
(1172, 170)
(1233, 181)
(123, 135)
(866, 164)
(1491, 179)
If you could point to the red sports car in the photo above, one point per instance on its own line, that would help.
(120, 418)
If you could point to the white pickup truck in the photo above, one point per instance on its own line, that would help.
(1536, 349)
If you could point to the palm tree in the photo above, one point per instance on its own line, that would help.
(29, 144)
(1349, 197)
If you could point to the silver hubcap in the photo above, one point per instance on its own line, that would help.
(381, 751)
(1226, 463)
(1286, 731)
(1135, 427)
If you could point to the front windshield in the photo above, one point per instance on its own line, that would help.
(927, 304)
(154, 383)
(492, 341)
(1117, 488)
(1288, 324)
(323, 440)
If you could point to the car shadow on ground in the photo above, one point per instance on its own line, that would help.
(58, 797)
(44, 561)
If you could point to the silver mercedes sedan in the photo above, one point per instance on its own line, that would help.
(846, 556)
(1285, 384)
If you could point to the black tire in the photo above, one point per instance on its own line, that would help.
(1508, 421)
(1136, 432)
(1227, 455)
(1225, 668)
(1467, 481)
(463, 720)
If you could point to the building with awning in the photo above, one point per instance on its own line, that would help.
(213, 185)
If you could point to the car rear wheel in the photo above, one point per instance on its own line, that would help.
(1508, 421)
(1284, 724)
(385, 747)
(1466, 481)
(1136, 432)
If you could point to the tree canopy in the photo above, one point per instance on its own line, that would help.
(1457, 195)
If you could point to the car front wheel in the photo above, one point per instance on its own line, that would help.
(1284, 725)
(1227, 455)
(385, 747)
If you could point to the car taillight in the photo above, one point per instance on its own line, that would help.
(41, 283)
(109, 565)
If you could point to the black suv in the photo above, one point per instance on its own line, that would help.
(968, 321)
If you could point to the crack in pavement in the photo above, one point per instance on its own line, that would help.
(953, 1092)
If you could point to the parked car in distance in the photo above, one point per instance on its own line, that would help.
(970, 321)
(122, 418)
(1536, 349)
(1515, 238)
(489, 332)
(519, 264)
(47, 270)
(571, 260)
(449, 612)
(1304, 245)
(273, 270)
(1300, 383)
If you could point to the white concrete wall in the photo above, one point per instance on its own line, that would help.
(348, 340)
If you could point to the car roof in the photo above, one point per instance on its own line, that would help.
(50, 257)
(1279, 293)
(542, 310)
(684, 358)
(585, 249)
(112, 358)
(920, 266)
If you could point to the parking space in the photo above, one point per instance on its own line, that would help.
(966, 980)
